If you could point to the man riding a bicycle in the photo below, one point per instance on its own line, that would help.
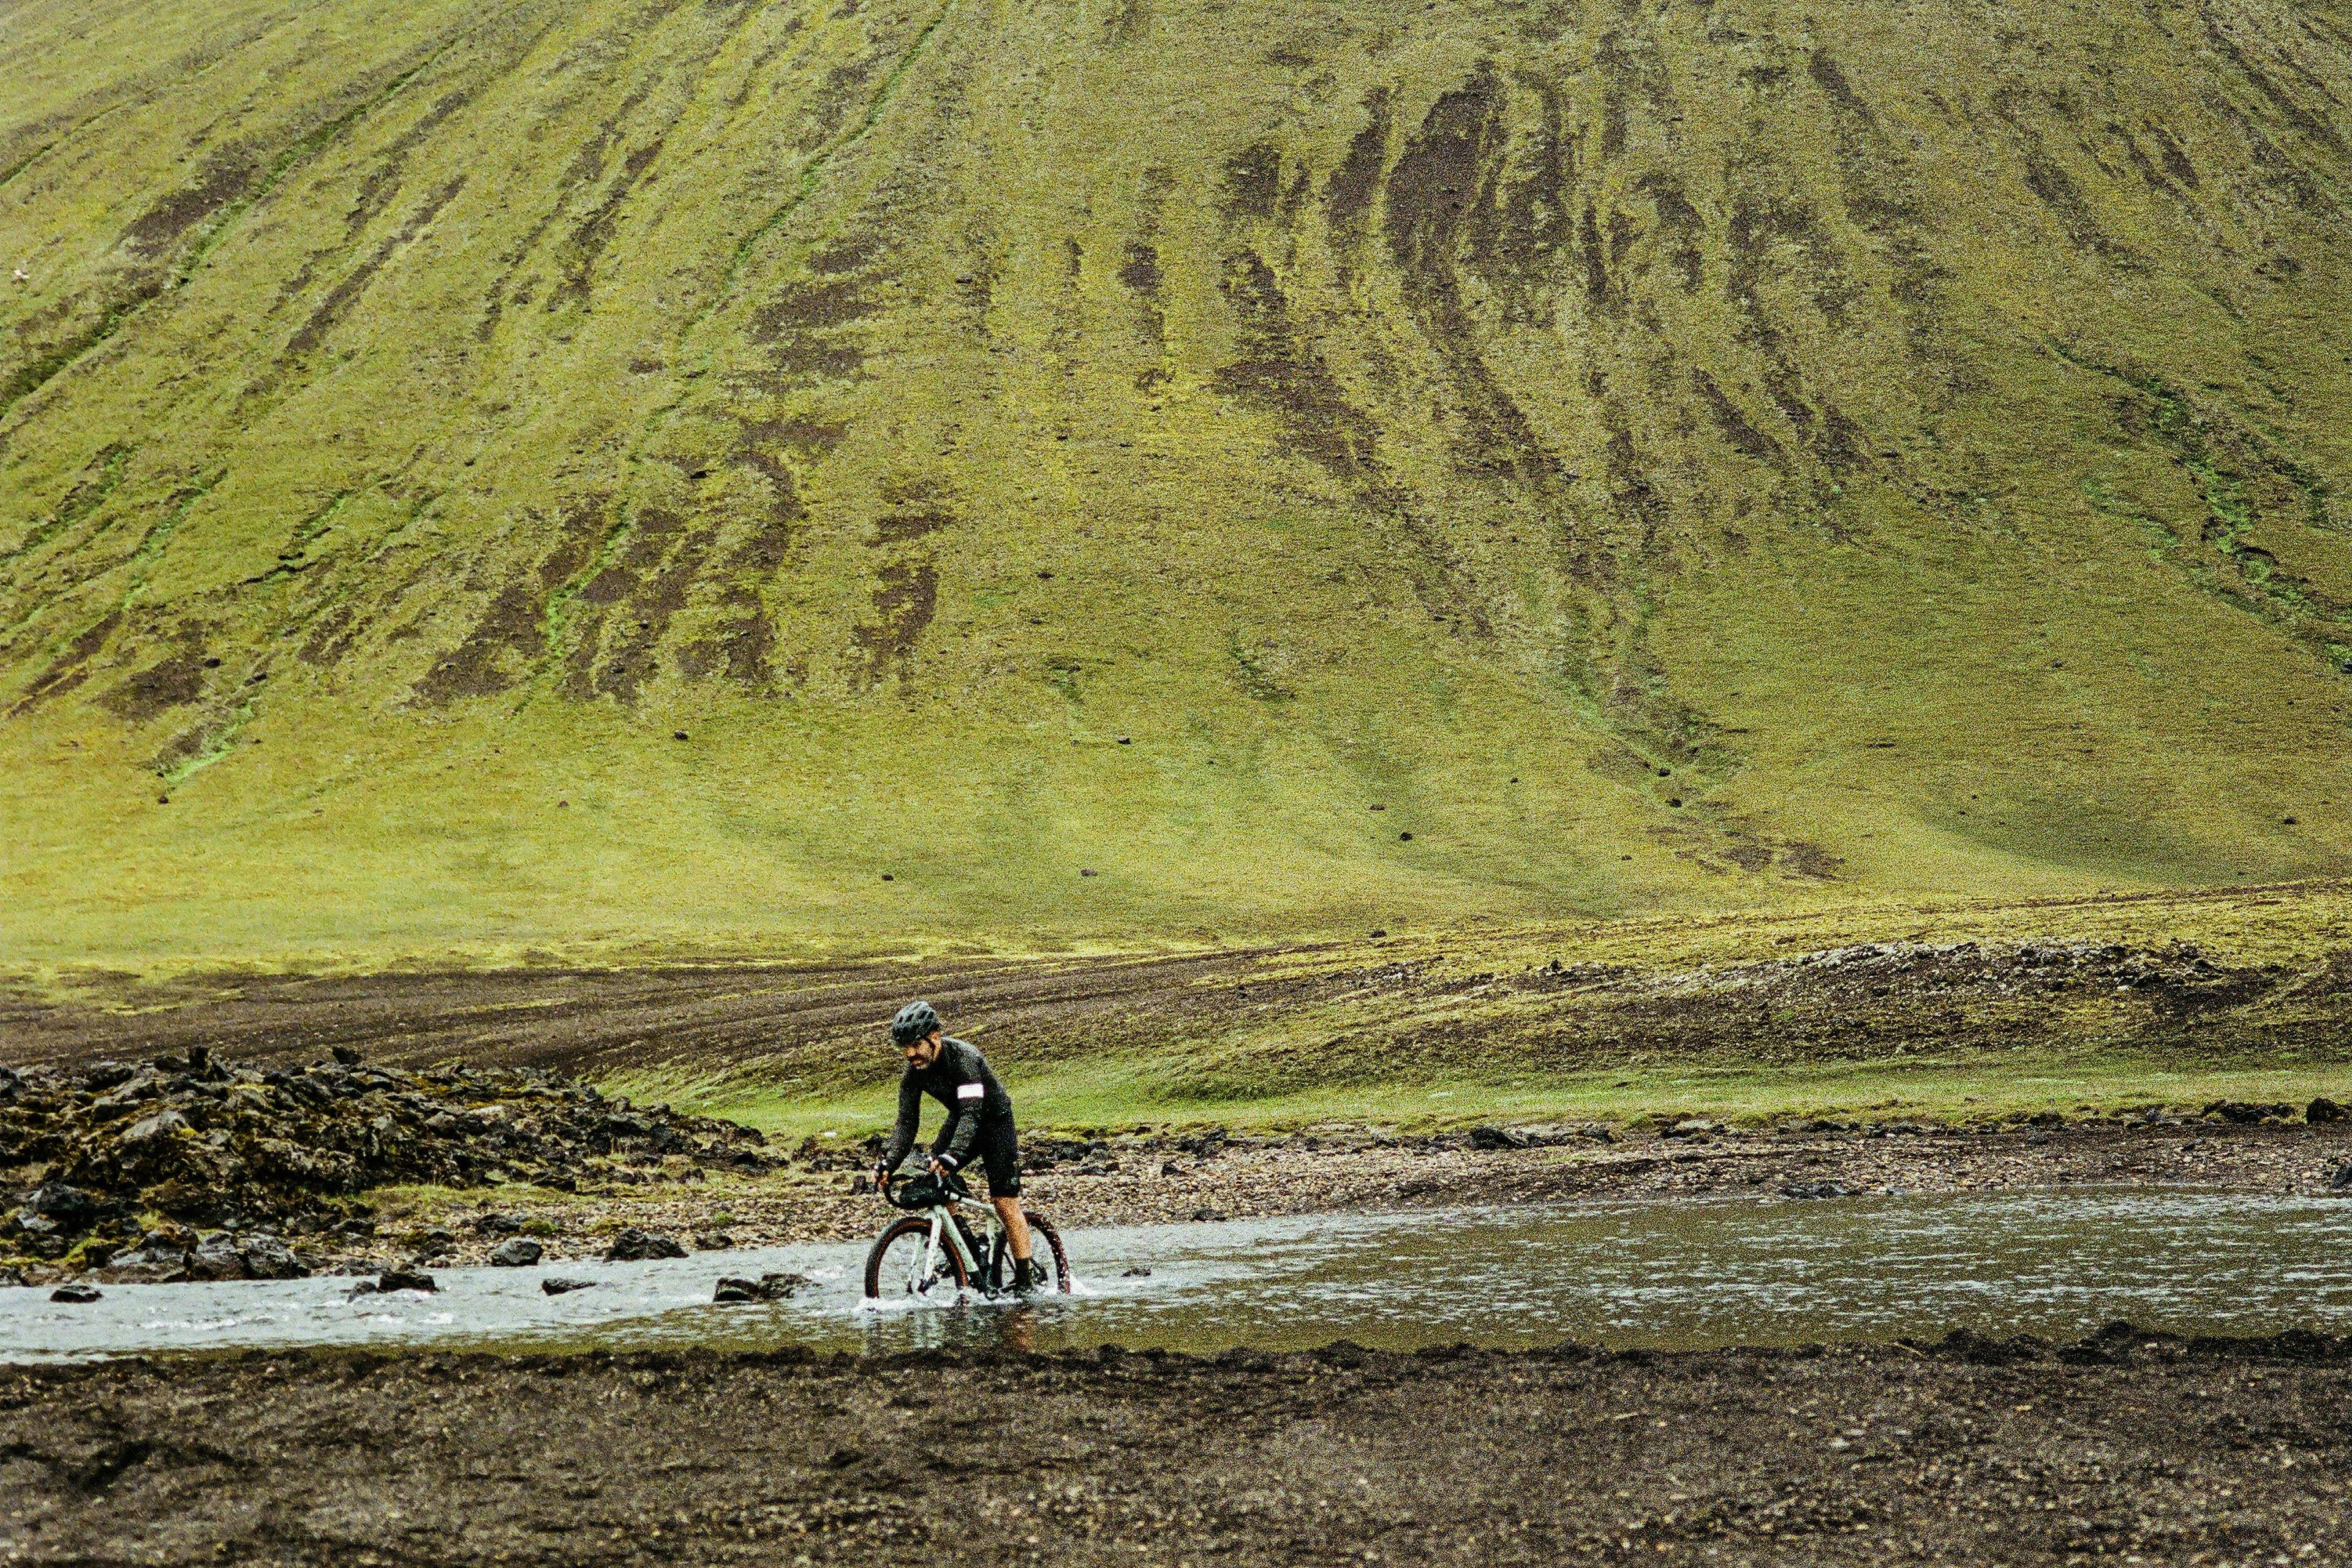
(980, 1116)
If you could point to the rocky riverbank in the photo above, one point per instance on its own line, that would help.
(2127, 1447)
(814, 1193)
(188, 1166)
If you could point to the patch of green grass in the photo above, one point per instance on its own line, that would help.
(1659, 1016)
(1120, 1097)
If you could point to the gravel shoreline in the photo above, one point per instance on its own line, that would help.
(1154, 1181)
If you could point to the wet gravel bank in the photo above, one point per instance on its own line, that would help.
(2125, 1447)
(1152, 1182)
(767, 1197)
(807, 1197)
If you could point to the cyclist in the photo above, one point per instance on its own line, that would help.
(979, 1114)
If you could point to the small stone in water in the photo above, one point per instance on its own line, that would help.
(516, 1252)
(766, 1288)
(635, 1246)
(74, 1295)
(558, 1287)
(405, 1279)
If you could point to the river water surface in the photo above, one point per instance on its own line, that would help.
(1666, 1274)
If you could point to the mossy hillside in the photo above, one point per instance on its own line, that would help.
(1920, 434)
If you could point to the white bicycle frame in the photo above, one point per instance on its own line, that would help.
(943, 1217)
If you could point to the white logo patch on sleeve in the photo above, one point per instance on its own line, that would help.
(970, 1090)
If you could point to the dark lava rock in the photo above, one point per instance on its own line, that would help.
(558, 1287)
(2239, 1111)
(2342, 1179)
(766, 1288)
(74, 1295)
(266, 1258)
(496, 1224)
(217, 1257)
(1171, 1168)
(2323, 1109)
(516, 1252)
(1820, 1190)
(70, 1206)
(635, 1246)
(154, 1259)
(1211, 1214)
(199, 1140)
(1495, 1138)
(1138, 1272)
(405, 1279)
(11, 1278)
(713, 1241)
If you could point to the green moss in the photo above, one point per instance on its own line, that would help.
(1664, 1018)
(1965, 1091)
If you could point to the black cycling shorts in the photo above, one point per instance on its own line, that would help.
(998, 1151)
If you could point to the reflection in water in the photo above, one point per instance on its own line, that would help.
(1659, 1273)
(1017, 1329)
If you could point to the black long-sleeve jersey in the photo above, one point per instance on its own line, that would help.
(958, 1077)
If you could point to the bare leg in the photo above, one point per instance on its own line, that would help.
(1016, 1226)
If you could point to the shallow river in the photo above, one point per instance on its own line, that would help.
(1665, 1273)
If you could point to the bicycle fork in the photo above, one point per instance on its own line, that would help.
(932, 1254)
(961, 1243)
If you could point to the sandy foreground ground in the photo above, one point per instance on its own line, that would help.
(2125, 1449)
(1152, 1180)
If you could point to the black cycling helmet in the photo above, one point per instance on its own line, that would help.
(915, 1020)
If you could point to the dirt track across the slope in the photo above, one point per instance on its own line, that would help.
(588, 1021)
(1245, 1023)
(2125, 1449)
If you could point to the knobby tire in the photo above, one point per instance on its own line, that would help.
(918, 1226)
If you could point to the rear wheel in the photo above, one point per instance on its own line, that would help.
(1045, 1254)
(905, 1267)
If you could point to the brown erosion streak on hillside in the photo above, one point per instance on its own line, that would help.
(1490, 185)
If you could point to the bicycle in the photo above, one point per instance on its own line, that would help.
(934, 1255)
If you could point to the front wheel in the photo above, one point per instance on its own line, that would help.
(905, 1267)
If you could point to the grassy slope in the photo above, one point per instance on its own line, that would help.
(1921, 431)
(1730, 1015)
